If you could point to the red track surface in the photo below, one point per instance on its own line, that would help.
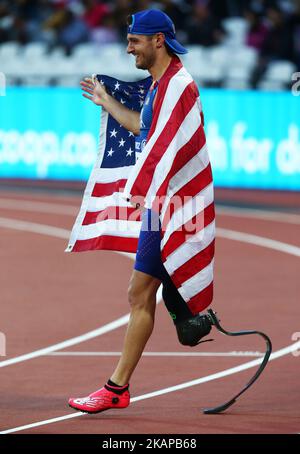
(48, 296)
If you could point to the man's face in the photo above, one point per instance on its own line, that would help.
(143, 48)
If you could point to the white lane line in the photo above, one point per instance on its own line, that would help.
(259, 241)
(222, 233)
(33, 227)
(276, 216)
(63, 233)
(46, 207)
(40, 207)
(198, 381)
(238, 236)
(68, 343)
(235, 354)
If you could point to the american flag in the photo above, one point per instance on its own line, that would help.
(174, 165)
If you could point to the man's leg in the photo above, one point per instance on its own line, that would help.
(115, 393)
(142, 299)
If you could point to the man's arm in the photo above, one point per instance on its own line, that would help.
(96, 92)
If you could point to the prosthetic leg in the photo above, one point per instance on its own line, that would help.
(192, 328)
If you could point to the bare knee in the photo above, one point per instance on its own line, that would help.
(138, 298)
(142, 293)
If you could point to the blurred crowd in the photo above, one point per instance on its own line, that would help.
(273, 26)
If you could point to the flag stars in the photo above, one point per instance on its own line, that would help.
(141, 102)
(122, 101)
(130, 134)
(117, 86)
(121, 142)
(113, 133)
(129, 152)
(110, 152)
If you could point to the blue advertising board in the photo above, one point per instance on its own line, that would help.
(253, 137)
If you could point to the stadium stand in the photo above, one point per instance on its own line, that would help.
(57, 42)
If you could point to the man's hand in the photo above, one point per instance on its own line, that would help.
(94, 91)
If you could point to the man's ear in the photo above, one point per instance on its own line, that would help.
(160, 40)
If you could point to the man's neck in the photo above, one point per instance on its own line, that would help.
(160, 66)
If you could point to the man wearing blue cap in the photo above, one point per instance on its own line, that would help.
(172, 155)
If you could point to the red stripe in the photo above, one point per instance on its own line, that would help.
(180, 111)
(112, 212)
(202, 300)
(184, 155)
(107, 242)
(194, 265)
(173, 69)
(179, 236)
(197, 184)
(105, 189)
(190, 189)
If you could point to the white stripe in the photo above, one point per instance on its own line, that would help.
(197, 283)
(190, 248)
(110, 175)
(175, 88)
(130, 229)
(100, 203)
(184, 133)
(189, 171)
(235, 354)
(186, 212)
(225, 373)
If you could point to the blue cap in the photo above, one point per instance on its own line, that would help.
(151, 21)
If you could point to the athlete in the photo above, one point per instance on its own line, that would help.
(152, 41)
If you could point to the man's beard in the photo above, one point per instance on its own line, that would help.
(146, 62)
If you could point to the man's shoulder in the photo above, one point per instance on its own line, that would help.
(183, 80)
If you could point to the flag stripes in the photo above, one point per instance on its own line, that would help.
(172, 175)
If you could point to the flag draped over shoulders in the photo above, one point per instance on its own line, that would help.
(172, 175)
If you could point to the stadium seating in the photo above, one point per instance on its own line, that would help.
(236, 29)
(280, 72)
(223, 65)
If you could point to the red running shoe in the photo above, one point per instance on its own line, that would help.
(100, 400)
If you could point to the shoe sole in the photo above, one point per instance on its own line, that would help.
(95, 412)
(89, 412)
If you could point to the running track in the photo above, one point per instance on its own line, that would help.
(49, 297)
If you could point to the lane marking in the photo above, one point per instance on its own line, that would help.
(68, 343)
(230, 234)
(276, 216)
(40, 207)
(162, 354)
(221, 233)
(33, 227)
(63, 233)
(170, 389)
(259, 241)
(72, 210)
